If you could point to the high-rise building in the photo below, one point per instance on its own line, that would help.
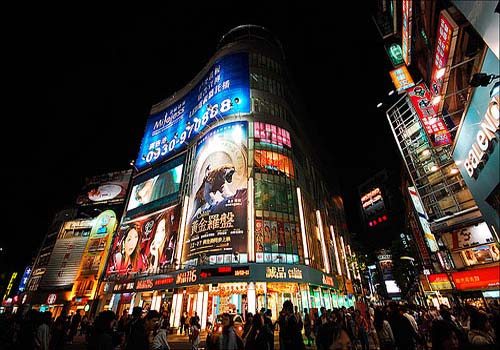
(228, 211)
(445, 123)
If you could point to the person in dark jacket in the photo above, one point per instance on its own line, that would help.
(102, 337)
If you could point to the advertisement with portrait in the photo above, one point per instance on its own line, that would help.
(275, 242)
(155, 189)
(222, 91)
(146, 243)
(273, 196)
(105, 189)
(67, 254)
(483, 254)
(217, 220)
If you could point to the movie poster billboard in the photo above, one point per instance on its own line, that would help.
(106, 188)
(217, 220)
(146, 243)
(67, 254)
(222, 91)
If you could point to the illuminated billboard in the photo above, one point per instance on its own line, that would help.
(223, 91)
(268, 133)
(217, 223)
(434, 126)
(146, 243)
(276, 242)
(24, 279)
(273, 162)
(406, 31)
(67, 254)
(105, 188)
(156, 188)
(478, 278)
(422, 217)
(401, 78)
(446, 38)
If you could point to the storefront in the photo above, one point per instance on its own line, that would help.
(210, 291)
(471, 284)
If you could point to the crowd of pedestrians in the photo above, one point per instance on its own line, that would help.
(393, 326)
(36, 330)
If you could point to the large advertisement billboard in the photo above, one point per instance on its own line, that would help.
(433, 124)
(146, 243)
(106, 188)
(67, 254)
(217, 223)
(156, 188)
(223, 91)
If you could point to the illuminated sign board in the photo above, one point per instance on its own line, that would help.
(371, 198)
(157, 188)
(482, 136)
(146, 243)
(422, 217)
(164, 281)
(272, 134)
(406, 31)
(105, 188)
(401, 78)
(483, 254)
(217, 223)
(9, 286)
(186, 277)
(243, 271)
(24, 279)
(223, 91)
(439, 281)
(478, 278)
(144, 284)
(67, 254)
(283, 272)
(445, 47)
(467, 237)
(273, 162)
(434, 126)
(395, 54)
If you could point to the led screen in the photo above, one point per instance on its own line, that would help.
(156, 188)
(392, 287)
(217, 223)
(272, 134)
(145, 244)
(223, 91)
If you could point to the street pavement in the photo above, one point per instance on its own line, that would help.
(176, 342)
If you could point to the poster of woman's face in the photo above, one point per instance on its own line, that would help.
(145, 244)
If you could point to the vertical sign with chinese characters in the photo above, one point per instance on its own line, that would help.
(401, 78)
(445, 47)
(434, 126)
(406, 31)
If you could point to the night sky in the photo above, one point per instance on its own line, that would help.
(79, 84)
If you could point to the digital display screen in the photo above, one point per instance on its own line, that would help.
(240, 271)
(223, 91)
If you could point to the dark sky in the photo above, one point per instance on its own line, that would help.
(79, 84)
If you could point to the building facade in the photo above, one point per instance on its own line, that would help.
(227, 210)
(445, 123)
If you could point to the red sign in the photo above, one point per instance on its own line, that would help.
(439, 281)
(444, 48)
(479, 278)
(436, 130)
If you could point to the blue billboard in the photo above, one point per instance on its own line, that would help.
(223, 90)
